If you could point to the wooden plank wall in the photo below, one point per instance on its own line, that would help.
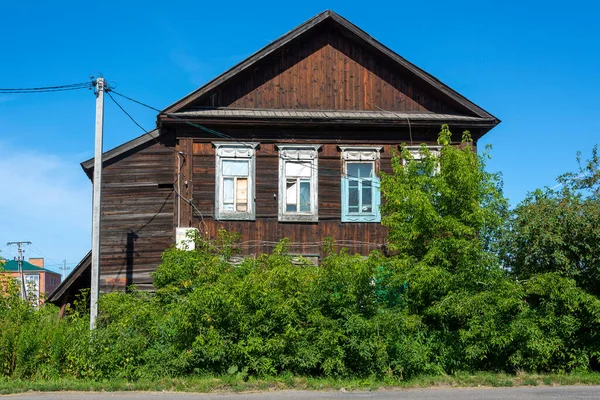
(137, 217)
(324, 71)
(261, 235)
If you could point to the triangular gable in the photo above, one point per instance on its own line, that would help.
(361, 74)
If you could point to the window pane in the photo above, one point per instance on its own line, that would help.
(304, 195)
(367, 198)
(235, 168)
(352, 169)
(228, 191)
(421, 167)
(365, 170)
(353, 197)
(241, 196)
(360, 170)
(298, 169)
(291, 192)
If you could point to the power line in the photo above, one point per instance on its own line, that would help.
(189, 201)
(135, 122)
(126, 113)
(320, 169)
(47, 89)
(204, 128)
(20, 265)
(42, 254)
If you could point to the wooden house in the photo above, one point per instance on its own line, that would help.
(288, 143)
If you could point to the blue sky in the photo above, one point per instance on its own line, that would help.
(532, 64)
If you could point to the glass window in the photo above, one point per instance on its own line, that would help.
(360, 185)
(415, 152)
(298, 177)
(235, 180)
(32, 288)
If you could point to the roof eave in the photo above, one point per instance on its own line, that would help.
(259, 121)
(88, 165)
(61, 289)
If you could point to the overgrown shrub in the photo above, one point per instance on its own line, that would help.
(443, 302)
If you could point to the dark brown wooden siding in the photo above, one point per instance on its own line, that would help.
(137, 217)
(324, 71)
(260, 236)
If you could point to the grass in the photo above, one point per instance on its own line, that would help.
(238, 383)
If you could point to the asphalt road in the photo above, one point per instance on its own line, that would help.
(521, 393)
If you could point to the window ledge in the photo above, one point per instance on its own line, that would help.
(298, 218)
(361, 218)
(235, 216)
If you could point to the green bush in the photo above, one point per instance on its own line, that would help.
(442, 303)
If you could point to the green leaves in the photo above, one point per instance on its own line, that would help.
(444, 211)
(559, 230)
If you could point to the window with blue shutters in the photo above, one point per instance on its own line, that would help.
(360, 184)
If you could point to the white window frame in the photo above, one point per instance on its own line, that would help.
(235, 151)
(35, 296)
(415, 152)
(361, 155)
(306, 153)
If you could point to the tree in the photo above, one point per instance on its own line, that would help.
(444, 211)
(558, 230)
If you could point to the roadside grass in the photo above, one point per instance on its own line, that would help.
(240, 383)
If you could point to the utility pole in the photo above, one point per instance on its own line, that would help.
(20, 264)
(96, 202)
(64, 268)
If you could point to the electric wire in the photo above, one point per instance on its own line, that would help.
(189, 201)
(126, 113)
(42, 254)
(248, 244)
(146, 132)
(319, 169)
(322, 170)
(46, 89)
(204, 128)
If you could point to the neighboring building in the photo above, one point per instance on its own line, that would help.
(39, 281)
(289, 143)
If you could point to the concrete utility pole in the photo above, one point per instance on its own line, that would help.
(64, 268)
(96, 202)
(20, 264)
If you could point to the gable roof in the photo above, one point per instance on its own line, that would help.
(351, 30)
(13, 266)
(78, 278)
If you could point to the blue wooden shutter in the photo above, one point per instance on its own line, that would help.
(376, 198)
(345, 199)
(373, 217)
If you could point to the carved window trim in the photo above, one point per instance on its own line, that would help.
(361, 155)
(294, 153)
(415, 152)
(235, 151)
